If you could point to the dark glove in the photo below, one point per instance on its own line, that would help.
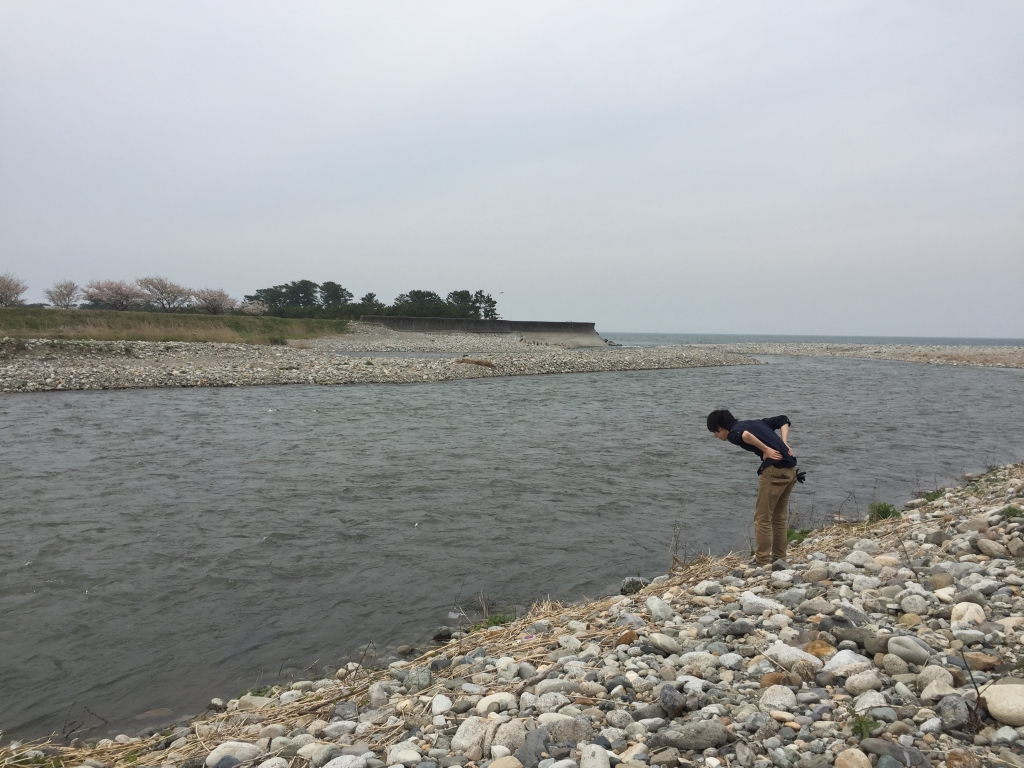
(801, 476)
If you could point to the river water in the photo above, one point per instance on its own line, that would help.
(160, 547)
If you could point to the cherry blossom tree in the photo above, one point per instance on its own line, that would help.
(165, 294)
(11, 289)
(64, 294)
(254, 308)
(214, 301)
(115, 294)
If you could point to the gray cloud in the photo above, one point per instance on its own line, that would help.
(710, 167)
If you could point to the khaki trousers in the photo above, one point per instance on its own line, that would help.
(772, 513)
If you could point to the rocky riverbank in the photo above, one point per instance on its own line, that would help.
(37, 365)
(886, 644)
(992, 357)
(372, 354)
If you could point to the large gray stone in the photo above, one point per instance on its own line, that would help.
(844, 658)
(470, 734)
(242, 751)
(904, 755)
(777, 697)
(1005, 703)
(563, 728)
(672, 701)
(418, 679)
(556, 685)
(535, 744)
(347, 761)
(319, 754)
(991, 548)
(786, 656)
(910, 649)
(699, 735)
(551, 702)
(953, 712)
(754, 604)
(593, 756)
(816, 605)
(659, 609)
(510, 735)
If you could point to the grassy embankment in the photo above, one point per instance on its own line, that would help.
(108, 325)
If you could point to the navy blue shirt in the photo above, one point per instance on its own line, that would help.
(763, 430)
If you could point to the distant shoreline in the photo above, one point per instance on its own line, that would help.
(40, 365)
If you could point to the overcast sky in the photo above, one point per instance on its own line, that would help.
(776, 167)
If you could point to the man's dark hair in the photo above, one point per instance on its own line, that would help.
(722, 419)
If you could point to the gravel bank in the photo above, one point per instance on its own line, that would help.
(878, 645)
(994, 357)
(40, 365)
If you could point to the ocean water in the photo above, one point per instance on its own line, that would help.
(659, 339)
(160, 547)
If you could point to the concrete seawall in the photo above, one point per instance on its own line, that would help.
(561, 334)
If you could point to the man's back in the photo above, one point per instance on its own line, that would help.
(763, 430)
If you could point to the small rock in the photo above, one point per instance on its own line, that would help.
(961, 758)
(852, 758)
(815, 606)
(665, 644)
(1004, 737)
(914, 604)
(863, 681)
(786, 656)
(967, 613)
(630, 586)
(933, 673)
(935, 690)
(894, 665)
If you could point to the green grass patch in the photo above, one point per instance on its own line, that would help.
(880, 510)
(935, 495)
(493, 620)
(109, 325)
(797, 535)
(863, 725)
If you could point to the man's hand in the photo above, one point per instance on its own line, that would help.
(788, 448)
(766, 451)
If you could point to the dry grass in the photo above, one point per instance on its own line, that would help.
(108, 325)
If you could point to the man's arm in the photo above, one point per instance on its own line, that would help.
(784, 430)
(766, 452)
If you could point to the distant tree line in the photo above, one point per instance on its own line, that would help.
(299, 298)
(305, 298)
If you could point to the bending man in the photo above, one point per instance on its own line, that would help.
(777, 471)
